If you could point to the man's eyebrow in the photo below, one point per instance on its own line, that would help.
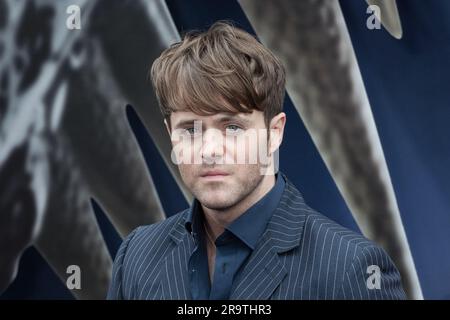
(183, 123)
(227, 117)
(232, 117)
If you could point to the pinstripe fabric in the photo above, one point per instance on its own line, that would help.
(301, 255)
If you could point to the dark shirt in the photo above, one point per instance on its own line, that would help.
(233, 246)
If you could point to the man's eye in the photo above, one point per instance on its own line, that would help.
(232, 128)
(191, 131)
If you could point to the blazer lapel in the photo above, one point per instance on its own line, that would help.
(261, 275)
(264, 271)
(174, 273)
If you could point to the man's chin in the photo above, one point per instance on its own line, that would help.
(217, 202)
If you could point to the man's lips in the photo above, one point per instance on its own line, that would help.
(214, 174)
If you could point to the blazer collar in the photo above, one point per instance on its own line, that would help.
(285, 227)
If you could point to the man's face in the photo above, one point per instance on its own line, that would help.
(221, 157)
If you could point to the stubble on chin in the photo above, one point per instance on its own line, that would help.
(222, 196)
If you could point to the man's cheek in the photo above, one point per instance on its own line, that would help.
(185, 173)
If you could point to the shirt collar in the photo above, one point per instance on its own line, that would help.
(249, 226)
(192, 218)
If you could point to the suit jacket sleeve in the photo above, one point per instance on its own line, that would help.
(372, 275)
(116, 286)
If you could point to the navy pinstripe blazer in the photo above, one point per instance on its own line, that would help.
(301, 255)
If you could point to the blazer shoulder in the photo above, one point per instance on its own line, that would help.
(149, 238)
(155, 232)
(345, 243)
(320, 233)
(355, 259)
(323, 229)
(140, 253)
(161, 226)
(318, 229)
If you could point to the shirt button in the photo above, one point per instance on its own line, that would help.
(224, 268)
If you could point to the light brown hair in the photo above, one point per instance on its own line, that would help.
(224, 69)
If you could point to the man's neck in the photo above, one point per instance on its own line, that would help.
(217, 220)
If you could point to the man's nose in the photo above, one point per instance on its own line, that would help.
(212, 146)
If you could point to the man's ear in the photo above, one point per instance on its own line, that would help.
(276, 128)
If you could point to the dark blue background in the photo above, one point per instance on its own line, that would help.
(408, 84)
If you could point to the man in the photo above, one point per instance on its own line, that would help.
(248, 234)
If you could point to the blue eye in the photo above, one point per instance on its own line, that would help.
(232, 128)
(191, 131)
